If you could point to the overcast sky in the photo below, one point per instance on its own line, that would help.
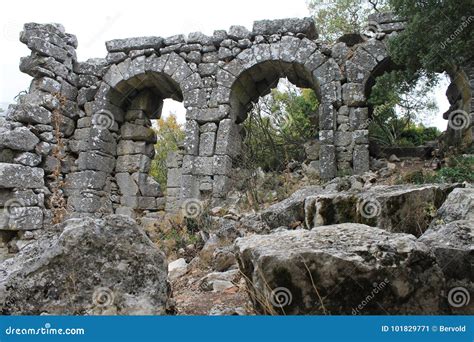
(96, 21)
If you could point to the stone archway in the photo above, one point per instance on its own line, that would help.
(130, 96)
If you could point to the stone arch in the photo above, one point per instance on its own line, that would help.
(257, 70)
(371, 59)
(131, 94)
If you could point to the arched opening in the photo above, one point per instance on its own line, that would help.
(415, 124)
(276, 109)
(142, 100)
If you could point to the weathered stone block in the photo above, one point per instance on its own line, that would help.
(135, 147)
(204, 166)
(222, 165)
(191, 140)
(138, 133)
(209, 114)
(361, 159)
(342, 138)
(206, 144)
(19, 176)
(86, 180)
(228, 138)
(28, 159)
(19, 139)
(359, 118)
(133, 163)
(327, 158)
(21, 218)
(138, 43)
(305, 26)
(353, 94)
(147, 185)
(174, 178)
(95, 161)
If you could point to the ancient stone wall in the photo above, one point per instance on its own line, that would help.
(81, 138)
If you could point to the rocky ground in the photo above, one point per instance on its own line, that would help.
(326, 249)
(355, 245)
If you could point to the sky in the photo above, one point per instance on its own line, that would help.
(96, 21)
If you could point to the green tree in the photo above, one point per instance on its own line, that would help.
(398, 108)
(169, 134)
(335, 18)
(438, 35)
(282, 121)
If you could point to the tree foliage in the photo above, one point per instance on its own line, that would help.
(399, 107)
(277, 127)
(335, 18)
(438, 34)
(169, 135)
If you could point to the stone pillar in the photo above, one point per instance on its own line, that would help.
(34, 137)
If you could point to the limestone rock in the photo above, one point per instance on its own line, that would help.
(398, 208)
(20, 139)
(290, 210)
(87, 266)
(282, 26)
(177, 269)
(139, 43)
(459, 205)
(19, 176)
(333, 269)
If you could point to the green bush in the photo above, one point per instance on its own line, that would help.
(459, 169)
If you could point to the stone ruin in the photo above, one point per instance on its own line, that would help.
(81, 137)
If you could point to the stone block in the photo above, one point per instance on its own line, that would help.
(126, 184)
(222, 165)
(19, 139)
(133, 163)
(147, 185)
(206, 144)
(21, 218)
(95, 161)
(353, 94)
(19, 176)
(327, 159)
(139, 43)
(86, 180)
(137, 133)
(305, 26)
(361, 159)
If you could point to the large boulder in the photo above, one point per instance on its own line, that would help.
(459, 205)
(453, 246)
(340, 269)
(87, 266)
(398, 208)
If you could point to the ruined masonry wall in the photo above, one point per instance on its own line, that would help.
(81, 138)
